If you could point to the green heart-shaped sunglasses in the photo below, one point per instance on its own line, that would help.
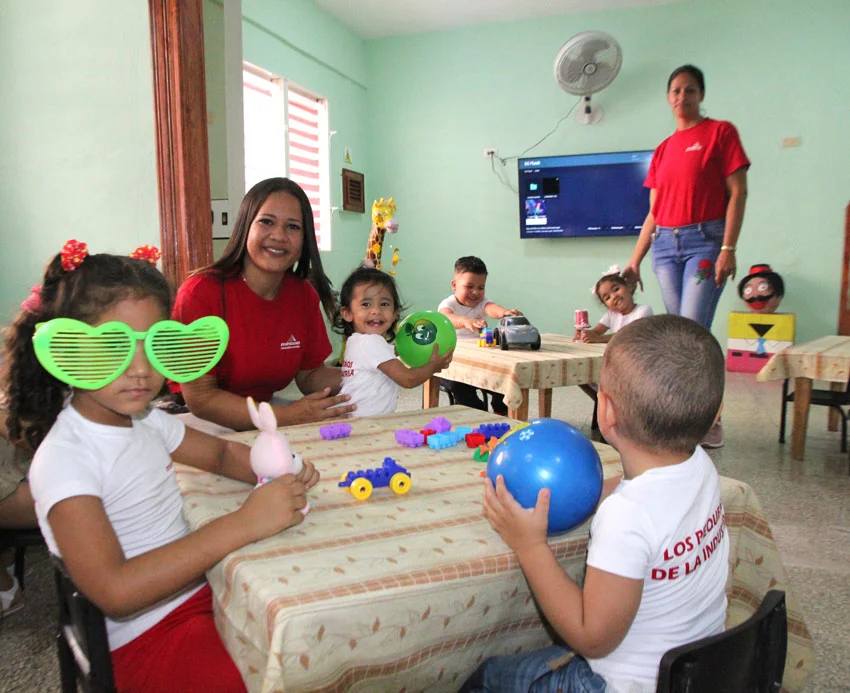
(92, 357)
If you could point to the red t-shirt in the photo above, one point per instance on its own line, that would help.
(689, 171)
(270, 341)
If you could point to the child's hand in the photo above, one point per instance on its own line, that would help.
(579, 336)
(274, 506)
(520, 528)
(437, 362)
(512, 311)
(590, 337)
(474, 325)
(309, 475)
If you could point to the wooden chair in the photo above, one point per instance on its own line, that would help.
(84, 655)
(20, 540)
(825, 398)
(749, 658)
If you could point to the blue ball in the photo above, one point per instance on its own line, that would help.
(548, 453)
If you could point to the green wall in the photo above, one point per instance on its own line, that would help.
(299, 41)
(77, 156)
(775, 68)
(216, 116)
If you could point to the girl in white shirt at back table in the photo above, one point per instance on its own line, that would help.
(617, 295)
(367, 316)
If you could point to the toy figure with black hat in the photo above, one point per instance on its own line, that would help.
(762, 289)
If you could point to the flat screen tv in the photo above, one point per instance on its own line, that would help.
(583, 195)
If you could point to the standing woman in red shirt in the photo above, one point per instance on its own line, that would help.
(267, 286)
(698, 189)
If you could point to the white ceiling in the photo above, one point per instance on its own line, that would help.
(379, 18)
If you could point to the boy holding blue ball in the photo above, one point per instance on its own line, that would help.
(658, 553)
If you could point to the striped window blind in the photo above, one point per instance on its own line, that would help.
(286, 134)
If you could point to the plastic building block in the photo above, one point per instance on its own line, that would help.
(481, 454)
(408, 438)
(440, 424)
(337, 430)
(438, 441)
(493, 442)
(494, 430)
(427, 432)
(486, 338)
(361, 482)
(463, 430)
(474, 440)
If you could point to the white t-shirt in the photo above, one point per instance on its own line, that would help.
(666, 527)
(475, 312)
(615, 321)
(131, 471)
(371, 389)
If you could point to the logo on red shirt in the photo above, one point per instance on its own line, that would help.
(290, 343)
(695, 147)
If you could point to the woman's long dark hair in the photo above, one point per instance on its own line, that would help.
(309, 265)
(34, 397)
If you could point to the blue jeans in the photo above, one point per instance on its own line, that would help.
(530, 673)
(683, 261)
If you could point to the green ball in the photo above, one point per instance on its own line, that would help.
(417, 333)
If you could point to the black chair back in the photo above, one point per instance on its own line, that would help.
(19, 540)
(84, 655)
(749, 658)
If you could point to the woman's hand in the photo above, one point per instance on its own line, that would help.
(725, 267)
(632, 275)
(316, 406)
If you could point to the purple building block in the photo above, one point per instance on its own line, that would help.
(337, 430)
(408, 438)
(440, 425)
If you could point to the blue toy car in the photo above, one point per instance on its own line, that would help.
(361, 481)
(515, 330)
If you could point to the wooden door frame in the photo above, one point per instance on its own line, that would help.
(180, 113)
(844, 299)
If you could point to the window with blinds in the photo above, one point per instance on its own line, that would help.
(286, 134)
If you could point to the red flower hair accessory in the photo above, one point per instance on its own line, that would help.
(148, 253)
(73, 254)
(32, 303)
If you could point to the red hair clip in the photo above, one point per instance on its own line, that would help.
(73, 254)
(148, 253)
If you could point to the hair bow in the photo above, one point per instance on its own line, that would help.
(147, 253)
(73, 253)
(32, 303)
(612, 271)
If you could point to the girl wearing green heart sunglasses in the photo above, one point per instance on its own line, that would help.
(102, 477)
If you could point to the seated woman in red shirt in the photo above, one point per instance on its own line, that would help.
(267, 287)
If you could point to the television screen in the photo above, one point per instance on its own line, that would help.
(583, 195)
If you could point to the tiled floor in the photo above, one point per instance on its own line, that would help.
(807, 503)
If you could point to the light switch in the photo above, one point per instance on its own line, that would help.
(791, 141)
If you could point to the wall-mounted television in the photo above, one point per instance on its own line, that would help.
(583, 195)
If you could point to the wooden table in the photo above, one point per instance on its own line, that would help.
(828, 359)
(411, 592)
(559, 362)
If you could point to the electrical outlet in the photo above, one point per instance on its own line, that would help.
(489, 153)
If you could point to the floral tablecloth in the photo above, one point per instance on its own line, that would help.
(559, 362)
(410, 593)
(826, 358)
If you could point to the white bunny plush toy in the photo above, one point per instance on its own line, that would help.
(271, 455)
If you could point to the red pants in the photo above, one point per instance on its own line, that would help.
(182, 653)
